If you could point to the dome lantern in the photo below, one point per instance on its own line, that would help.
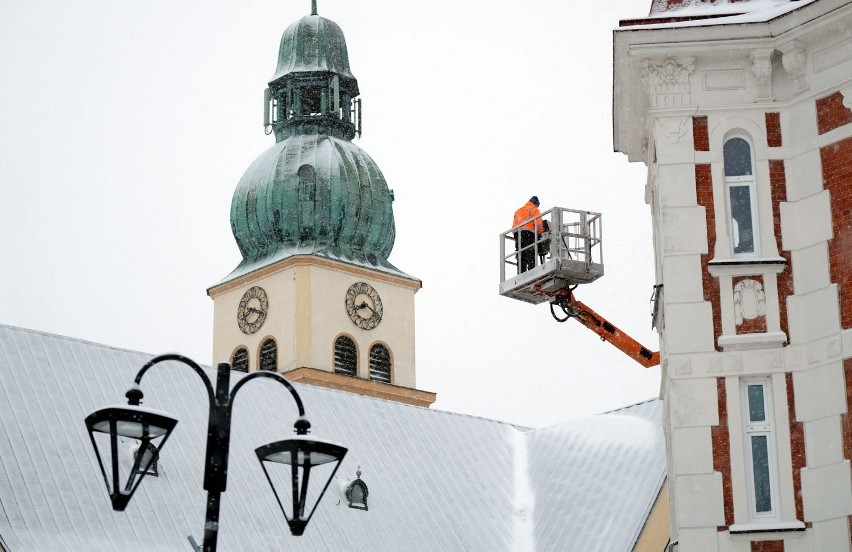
(313, 90)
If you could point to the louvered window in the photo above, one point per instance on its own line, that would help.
(240, 360)
(269, 355)
(380, 364)
(345, 356)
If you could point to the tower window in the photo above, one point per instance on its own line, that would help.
(380, 364)
(742, 200)
(240, 360)
(345, 356)
(269, 355)
(760, 449)
(311, 100)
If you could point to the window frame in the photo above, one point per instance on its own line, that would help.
(334, 355)
(765, 428)
(260, 359)
(370, 361)
(247, 361)
(746, 181)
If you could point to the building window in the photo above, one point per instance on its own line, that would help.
(380, 364)
(345, 356)
(742, 200)
(269, 355)
(240, 360)
(760, 450)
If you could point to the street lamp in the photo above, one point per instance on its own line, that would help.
(124, 470)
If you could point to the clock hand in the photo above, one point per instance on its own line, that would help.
(364, 305)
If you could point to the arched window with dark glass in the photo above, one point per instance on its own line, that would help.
(380, 363)
(742, 197)
(269, 355)
(240, 360)
(345, 356)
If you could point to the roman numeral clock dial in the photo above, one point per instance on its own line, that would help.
(254, 306)
(364, 306)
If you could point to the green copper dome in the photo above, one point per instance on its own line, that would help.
(314, 192)
(313, 43)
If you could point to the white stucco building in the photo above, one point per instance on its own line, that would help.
(741, 112)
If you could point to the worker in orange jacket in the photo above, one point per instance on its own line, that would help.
(526, 231)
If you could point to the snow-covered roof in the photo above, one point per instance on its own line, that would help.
(691, 13)
(437, 480)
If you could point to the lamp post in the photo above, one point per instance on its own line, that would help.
(152, 427)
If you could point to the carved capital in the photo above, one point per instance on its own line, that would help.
(793, 59)
(761, 68)
(667, 83)
(761, 64)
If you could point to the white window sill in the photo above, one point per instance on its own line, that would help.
(774, 530)
(746, 266)
(752, 341)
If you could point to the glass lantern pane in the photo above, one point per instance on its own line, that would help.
(760, 461)
(742, 232)
(756, 409)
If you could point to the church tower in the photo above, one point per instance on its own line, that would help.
(315, 296)
(742, 113)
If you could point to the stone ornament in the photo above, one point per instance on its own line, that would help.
(749, 300)
(761, 68)
(793, 59)
(667, 83)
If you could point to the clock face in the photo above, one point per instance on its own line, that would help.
(252, 311)
(364, 306)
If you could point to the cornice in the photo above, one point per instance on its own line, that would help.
(312, 260)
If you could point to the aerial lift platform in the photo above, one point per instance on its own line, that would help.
(569, 254)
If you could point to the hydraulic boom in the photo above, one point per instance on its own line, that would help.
(572, 308)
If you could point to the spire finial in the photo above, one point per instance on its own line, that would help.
(313, 7)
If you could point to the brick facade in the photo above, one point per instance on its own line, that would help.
(721, 441)
(797, 447)
(767, 546)
(773, 130)
(778, 187)
(831, 113)
(700, 136)
(704, 192)
(837, 177)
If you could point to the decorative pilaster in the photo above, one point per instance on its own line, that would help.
(667, 83)
(761, 68)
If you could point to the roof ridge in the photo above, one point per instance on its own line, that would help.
(71, 338)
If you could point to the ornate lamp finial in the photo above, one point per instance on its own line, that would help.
(313, 7)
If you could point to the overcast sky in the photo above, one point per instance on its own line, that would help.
(125, 127)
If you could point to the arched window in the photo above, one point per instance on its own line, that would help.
(240, 360)
(345, 356)
(269, 355)
(380, 364)
(742, 197)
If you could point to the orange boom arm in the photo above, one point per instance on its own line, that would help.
(606, 330)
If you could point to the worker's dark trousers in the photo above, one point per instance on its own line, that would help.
(527, 260)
